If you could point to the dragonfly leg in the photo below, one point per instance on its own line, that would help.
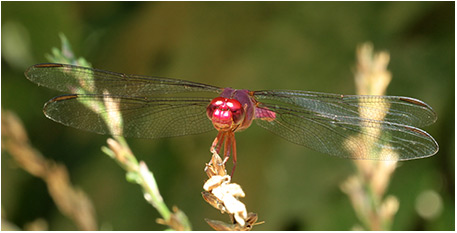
(217, 143)
(226, 148)
(222, 140)
(227, 139)
(233, 143)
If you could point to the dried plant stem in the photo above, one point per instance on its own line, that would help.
(366, 189)
(71, 201)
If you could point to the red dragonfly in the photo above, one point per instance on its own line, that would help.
(347, 126)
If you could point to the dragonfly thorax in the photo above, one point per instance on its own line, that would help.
(225, 114)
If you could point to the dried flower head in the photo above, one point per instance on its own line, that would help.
(224, 196)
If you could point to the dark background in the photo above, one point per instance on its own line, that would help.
(255, 45)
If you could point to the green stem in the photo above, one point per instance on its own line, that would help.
(137, 172)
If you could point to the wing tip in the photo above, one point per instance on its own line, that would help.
(433, 117)
(29, 71)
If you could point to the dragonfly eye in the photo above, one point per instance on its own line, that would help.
(237, 111)
(225, 113)
(215, 104)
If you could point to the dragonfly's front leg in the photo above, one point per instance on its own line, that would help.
(227, 138)
(217, 143)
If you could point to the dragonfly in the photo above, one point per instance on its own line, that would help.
(368, 127)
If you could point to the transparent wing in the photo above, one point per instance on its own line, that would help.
(357, 127)
(139, 117)
(150, 107)
(83, 80)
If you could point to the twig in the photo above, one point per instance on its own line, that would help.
(71, 201)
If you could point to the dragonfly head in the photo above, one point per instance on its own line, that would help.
(226, 114)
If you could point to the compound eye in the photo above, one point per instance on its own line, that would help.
(237, 111)
(216, 103)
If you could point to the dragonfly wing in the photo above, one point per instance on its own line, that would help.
(83, 80)
(341, 126)
(131, 117)
(394, 109)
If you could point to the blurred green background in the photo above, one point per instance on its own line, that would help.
(255, 45)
